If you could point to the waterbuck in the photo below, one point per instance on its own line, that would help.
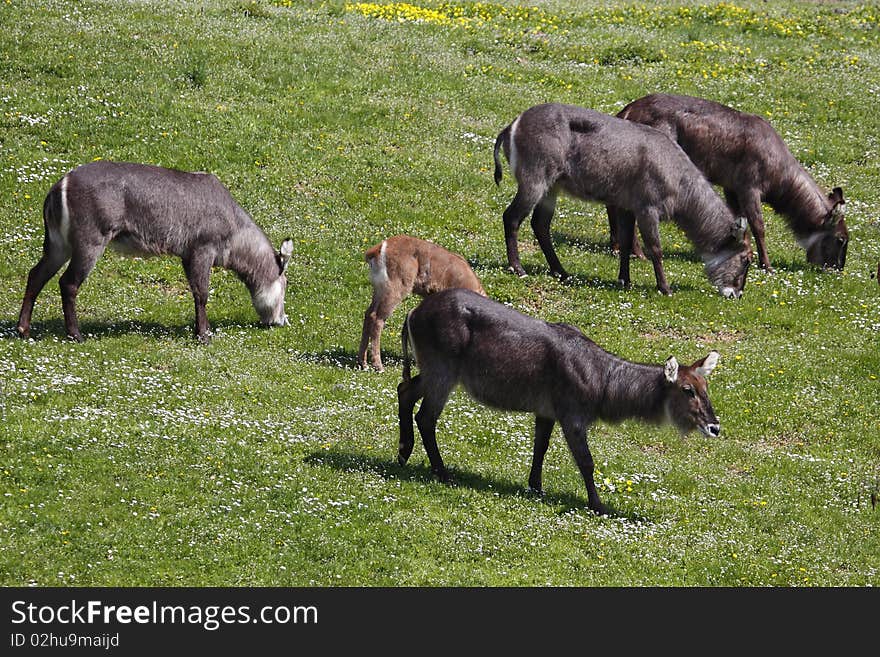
(514, 362)
(404, 265)
(745, 156)
(637, 170)
(144, 210)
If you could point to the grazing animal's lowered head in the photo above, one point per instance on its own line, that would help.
(827, 248)
(268, 299)
(687, 402)
(729, 268)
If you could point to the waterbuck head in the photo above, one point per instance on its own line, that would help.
(687, 400)
(268, 298)
(729, 267)
(829, 248)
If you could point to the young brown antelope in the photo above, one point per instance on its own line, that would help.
(404, 265)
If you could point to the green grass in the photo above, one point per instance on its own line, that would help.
(266, 458)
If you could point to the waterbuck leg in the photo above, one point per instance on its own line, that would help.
(45, 269)
(541, 218)
(81, 263)
(635, 248)
(197, 266)
(750, 206)
(626, 228)
(649, 226)
(543, 429)
(525, 199)
(408, 393)
(426, 419)
(374, 321)
(576, 437)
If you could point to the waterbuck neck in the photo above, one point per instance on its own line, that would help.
(252, 257)
(703, 216)
(632, 390)
(800, 199)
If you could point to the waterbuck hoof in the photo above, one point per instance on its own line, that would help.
(76, 337)
(562, 275)
(443, 476)
(665, 291)
(204, 338)
(535, 490)
(600, 509)
(518, 270)
(24, 332)
(624, 285)
(401, 459)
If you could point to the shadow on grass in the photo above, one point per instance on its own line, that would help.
(389, 469)
(347, 358)
(586, 281)
(55, 328)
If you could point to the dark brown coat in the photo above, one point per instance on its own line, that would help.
(744, 154)
(514, 362)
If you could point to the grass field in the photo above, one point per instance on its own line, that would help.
(141, 457)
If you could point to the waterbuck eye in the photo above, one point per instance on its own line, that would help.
(689, 390)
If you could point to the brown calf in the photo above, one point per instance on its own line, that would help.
(404, 265)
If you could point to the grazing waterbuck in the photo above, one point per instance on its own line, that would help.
(404, 265)
(144, 210)
(744, 155)
(514, 362)
(637, 170)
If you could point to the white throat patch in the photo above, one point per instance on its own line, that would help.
(268, 302)
(809, 241)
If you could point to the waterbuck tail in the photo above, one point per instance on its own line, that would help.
(503, 139)
(404, 344)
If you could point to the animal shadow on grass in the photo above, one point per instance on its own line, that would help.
(90, 329)
(389, 469)
(584, 280)
(346, 358)
(50, 328)
(591, 245)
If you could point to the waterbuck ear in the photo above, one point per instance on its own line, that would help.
(839, 210)
(739, 228)
(704, 367)
(671, 369)
(284, 254)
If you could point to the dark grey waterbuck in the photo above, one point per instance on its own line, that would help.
(510, 361)
(145, 210)
(744, 154)
(635, 169)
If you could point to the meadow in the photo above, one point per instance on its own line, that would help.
(141, 457)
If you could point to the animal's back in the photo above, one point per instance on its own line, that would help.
(726, 144)
(150, 210)
(502, 357)
(600, 157)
